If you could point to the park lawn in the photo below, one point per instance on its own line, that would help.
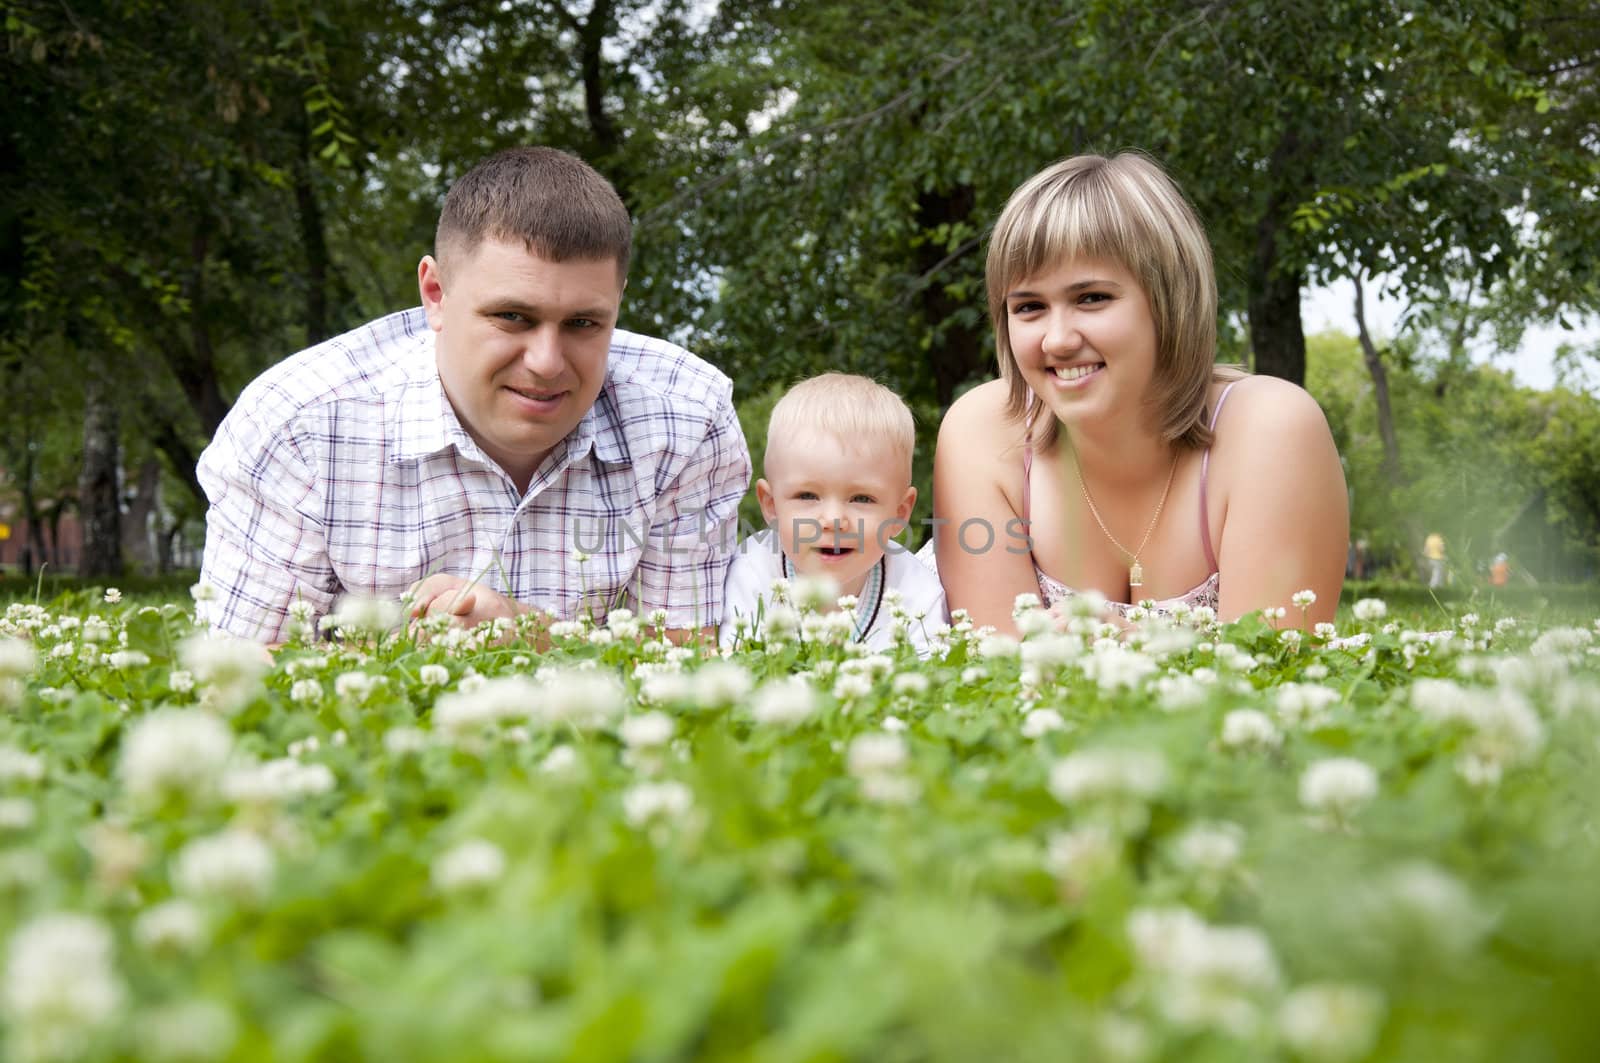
(1203, 842)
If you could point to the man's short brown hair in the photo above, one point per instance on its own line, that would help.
(556, 204)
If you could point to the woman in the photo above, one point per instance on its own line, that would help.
(1136, 466)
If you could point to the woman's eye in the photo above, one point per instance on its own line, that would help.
(1025, 308)
(1095, 297)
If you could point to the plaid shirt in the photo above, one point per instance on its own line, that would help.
(345, 470)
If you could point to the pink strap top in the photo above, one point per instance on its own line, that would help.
(1052, 589)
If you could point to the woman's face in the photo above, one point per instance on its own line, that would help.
(1084, 339)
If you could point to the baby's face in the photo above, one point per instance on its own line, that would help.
(835, 506)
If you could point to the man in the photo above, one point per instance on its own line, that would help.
(501, 449)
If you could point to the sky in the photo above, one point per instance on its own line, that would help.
(1533, 364)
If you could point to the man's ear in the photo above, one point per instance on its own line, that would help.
(430, 284)
(769, 504)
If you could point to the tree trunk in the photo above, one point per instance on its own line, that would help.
(1380, 387)
(1276, 336)
(144, 505)
(958, 352)
(313, 241)
(33, 551)
(99, 498)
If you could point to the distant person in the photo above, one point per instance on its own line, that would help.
(1500, 571)
(836, 490)
(1139, 467)
(480, 446)
(1433, 554)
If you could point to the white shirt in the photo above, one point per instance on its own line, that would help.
(759, 563)
(344, 469)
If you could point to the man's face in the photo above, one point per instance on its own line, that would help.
(522, 344)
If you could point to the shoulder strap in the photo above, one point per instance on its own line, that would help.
(1205, 469)
(1027, 461)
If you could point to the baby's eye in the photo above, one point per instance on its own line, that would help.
(862, 500)
(807, 496)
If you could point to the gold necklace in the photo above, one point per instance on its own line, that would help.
(1135, 570)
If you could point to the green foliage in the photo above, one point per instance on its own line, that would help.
(616, 849)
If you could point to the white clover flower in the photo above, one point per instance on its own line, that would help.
(305, 690)
(721, 684)
(177, 926)
(358, 615)
(1210, 848)
(780, 623)
(650, 730)
(1206, 976)
(16, 814)
(649, 802)
(566, 629)
(784, 702)
(1331, 1022)
(584, 698)
(894, 725)
(1303, 599)
(174, 753)
(234, 865)
(972, 675)
(18, 766)
(203, 592)
(1249, 729)
(95, 629)
(469, 866)
(1561, 640)
(1304, 704)
(127, 660)
(1096, 774)
(1025, 602)
(876, 754)
(230, 667)
(276, 781)
(113, 596)
(190, 1031)
(1175, 693)
(353, 686)
(433, 675)
(910, 684)
(484, 703)
(1338, 786)
(1417, 903)
(999, 648)
(1369, 610)
(814, 593)
(1114, 666)
(403, 741)
(17, 659)
(61, 987)
(1083, 855)
(1291, 637)
(1041, 722)
(559, 761)
(852, 685)
(623, 624)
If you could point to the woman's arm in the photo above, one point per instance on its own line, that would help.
(985, 559)
(1286, 525)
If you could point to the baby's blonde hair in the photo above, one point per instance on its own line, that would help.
(852, 409)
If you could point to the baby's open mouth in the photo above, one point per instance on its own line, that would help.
(836, 551)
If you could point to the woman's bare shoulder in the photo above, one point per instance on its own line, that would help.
(981, 419)
(1260, 408)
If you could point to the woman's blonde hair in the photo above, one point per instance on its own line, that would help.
(1126, 209)
(852, 409)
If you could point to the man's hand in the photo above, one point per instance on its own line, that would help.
(466, 603)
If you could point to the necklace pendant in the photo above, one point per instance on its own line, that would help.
(1136, 575)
